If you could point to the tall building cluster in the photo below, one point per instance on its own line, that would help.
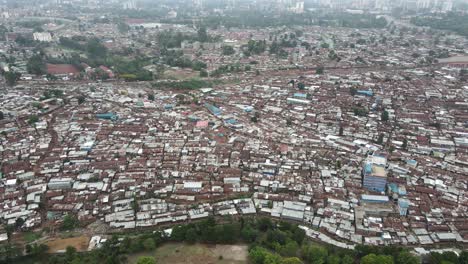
(418, 5)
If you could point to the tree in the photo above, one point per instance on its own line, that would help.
(360, 111)
(151, 97)
(81, 99)
(178, 233)
(314, 254)
(298, 234)
(123, 27)
(149, 244)
(272, 259)
(2, 116)
(146, 260)
(384, 116)
(319, 70)
(376, 259)
(70, 253)
(289, 249)
(228, 50)
(264, 224)
(293, 260)
(450, 257)
(464, 74)
(257, 255)
(70, 222)
(203, 73)
(301, 86)
(12, 78)
(33, 119)
(202, 34)
(347, 259)
(333, 259)
(405, 144)
(36, 65)
(249, 234)
(405, 257)
(191, 235)
(51, 77)
(19, 222)
(95, 48)
(380, 139)
(463, 257)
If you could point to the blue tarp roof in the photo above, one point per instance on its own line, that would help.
(366, 92)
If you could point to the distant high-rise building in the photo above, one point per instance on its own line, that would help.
(447, 6)
(129, 4)
(198, 4)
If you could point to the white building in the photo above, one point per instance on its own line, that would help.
(42, 36)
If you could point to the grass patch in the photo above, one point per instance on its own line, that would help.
(180, 253)
(190, 84)
(31, 236)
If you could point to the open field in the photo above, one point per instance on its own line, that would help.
(181, 74)
(60, 244)
(179, 253)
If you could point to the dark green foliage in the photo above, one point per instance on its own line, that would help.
(451, 21)
(314, 253)
(280, 244)
(149, 244)
(360, 111)
(227, 69)
(380, 139)
(51, 94)
(264, 223)
(70, 222)
(191, 84)
(256, 47)
(384, 116)
(132, 70)
(33, 119)
(95, 48)
(405, 144)
(228, 50)
(203, 73)
(12, 77)
(191, 235)
(377, 259)
(319, 70)
(146, 260)
(36, 65)
(202, 34)
(81, 99)
(333, 259)
(443, 258)
(404, 257)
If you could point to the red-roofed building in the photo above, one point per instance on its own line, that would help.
(108, 71)
(62, 69)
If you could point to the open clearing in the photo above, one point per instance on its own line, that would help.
(179, 253)
(180, 74)
(60, 244)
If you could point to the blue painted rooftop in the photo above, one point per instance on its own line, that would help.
(365, 92)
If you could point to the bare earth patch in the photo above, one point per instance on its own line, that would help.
(60, 244)
(179, 253)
